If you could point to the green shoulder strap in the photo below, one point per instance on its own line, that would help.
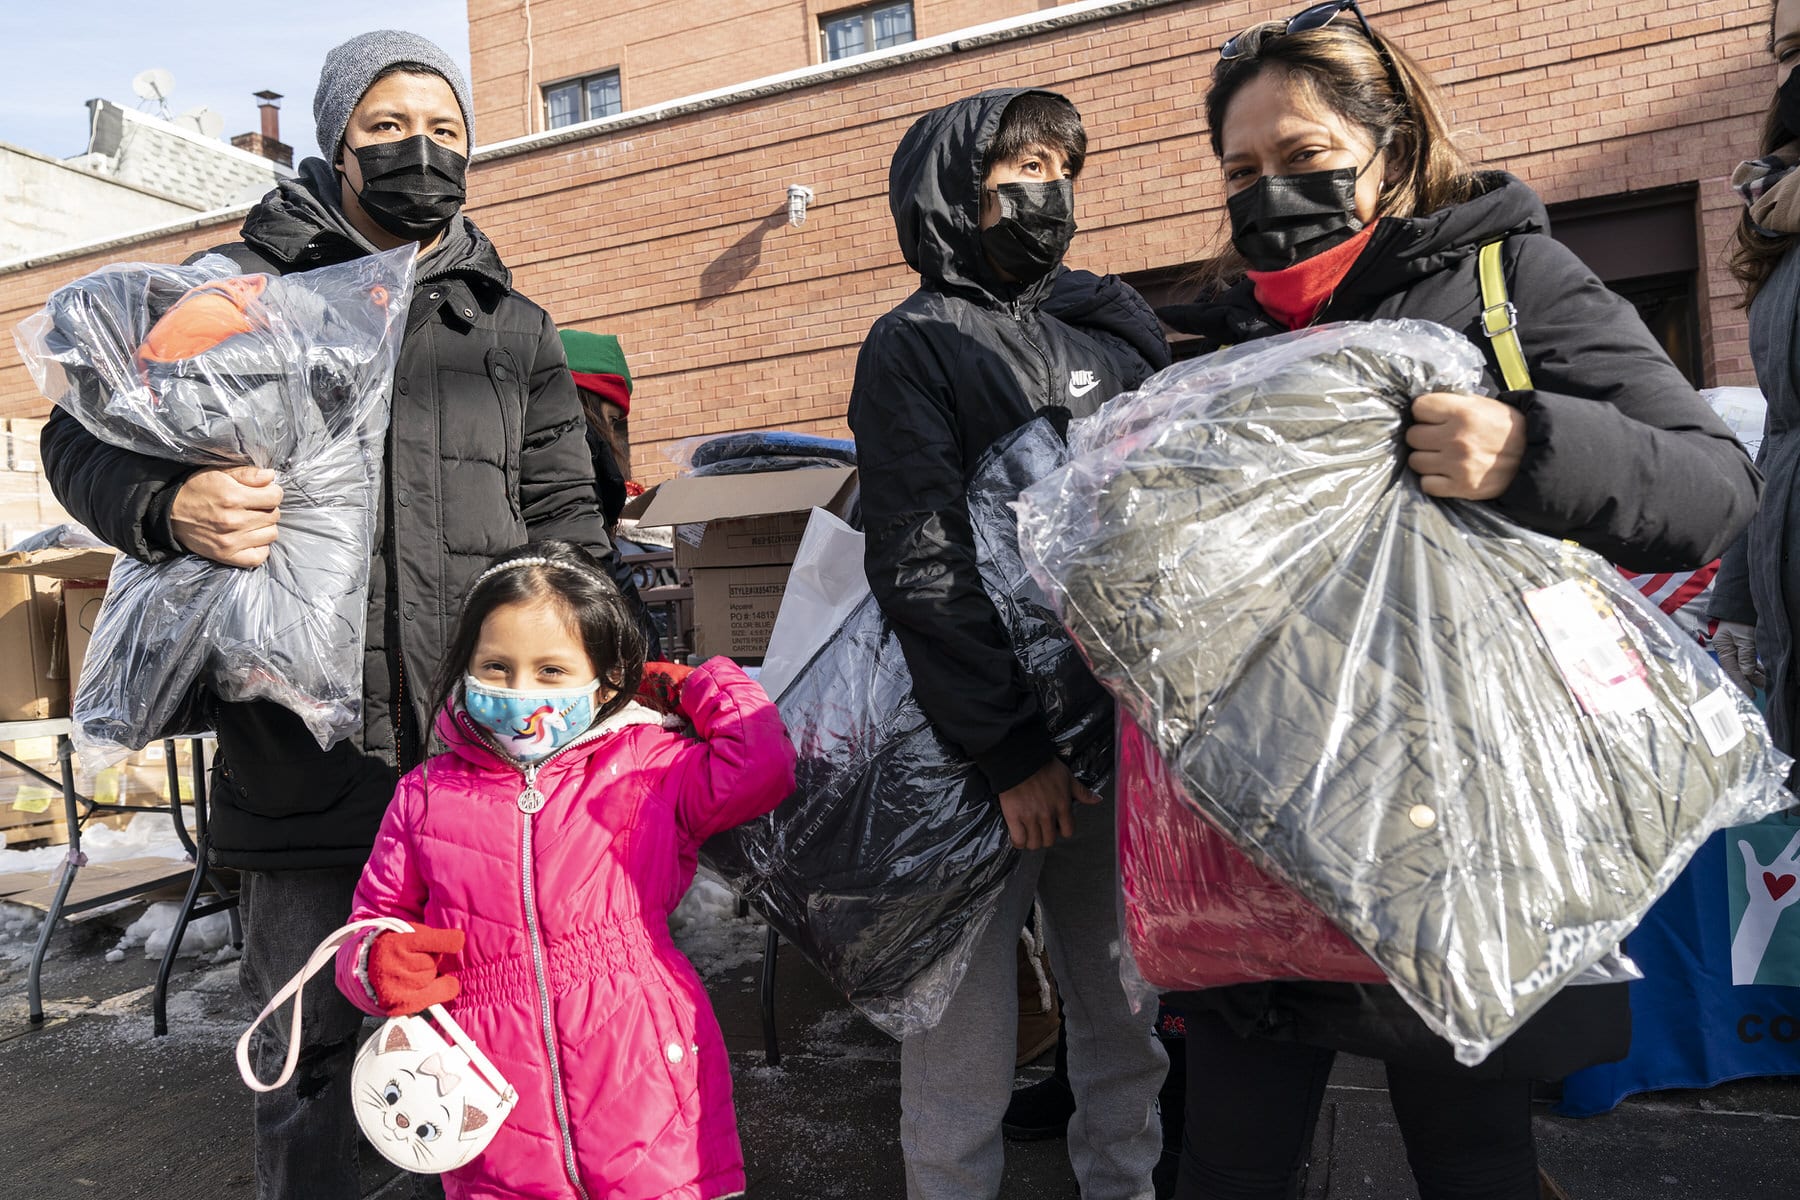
(1500, 320)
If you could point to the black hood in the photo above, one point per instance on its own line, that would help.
(300, 226)
(1401, 251)
(934, 192)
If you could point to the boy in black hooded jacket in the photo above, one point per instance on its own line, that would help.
(999, 331)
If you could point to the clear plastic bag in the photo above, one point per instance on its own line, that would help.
(1474, 748)
(889, 859)
(67, 536)
(823, 589)
(206, 365)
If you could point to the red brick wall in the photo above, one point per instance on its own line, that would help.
(664, 49)
(672, 235)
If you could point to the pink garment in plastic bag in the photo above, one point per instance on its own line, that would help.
(1199, 914)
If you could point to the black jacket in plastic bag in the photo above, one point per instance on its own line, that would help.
(888, 860)
(208, 366)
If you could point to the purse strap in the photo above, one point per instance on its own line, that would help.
(326, 951)
(1500, 318)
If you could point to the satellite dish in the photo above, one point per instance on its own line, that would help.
(203, 121)
(154, 84)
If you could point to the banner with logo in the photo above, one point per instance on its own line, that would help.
(1720, 997)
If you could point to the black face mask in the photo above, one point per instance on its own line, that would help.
(1037, 223)
(411, 188)
(1283, 219)
(1787, 104)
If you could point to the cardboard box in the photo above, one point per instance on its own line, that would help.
(735, 607)
(81, 605)
(34, 650)
(24, 435)
(746, 520)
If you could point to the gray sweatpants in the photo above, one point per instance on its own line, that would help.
(956, 1079)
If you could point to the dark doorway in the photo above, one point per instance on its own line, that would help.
(1646, 247)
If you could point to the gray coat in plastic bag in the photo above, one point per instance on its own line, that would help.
(1477, 749)
(203, 364)
(888, 860)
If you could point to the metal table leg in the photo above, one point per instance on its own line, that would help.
(227, 901)
(198, 766)
(771, 949)
(65, 757)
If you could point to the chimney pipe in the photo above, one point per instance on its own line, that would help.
(268, 143)
(271, 114)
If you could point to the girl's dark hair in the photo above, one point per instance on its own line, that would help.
(1369, 83)
(574, 581)
(1754, 256)
(1038, 121)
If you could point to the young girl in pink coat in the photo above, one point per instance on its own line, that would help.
(538, 860)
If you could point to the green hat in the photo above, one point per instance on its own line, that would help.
(597, 362)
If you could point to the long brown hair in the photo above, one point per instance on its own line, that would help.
(1400, 108)
(1754, 256)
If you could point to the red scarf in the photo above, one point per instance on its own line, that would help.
(1294, 295)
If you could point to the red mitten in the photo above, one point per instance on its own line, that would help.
(403, 969)
(661, 686)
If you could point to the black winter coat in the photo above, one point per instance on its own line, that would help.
(1759, 581)
(486, 449)
(1622, 456)
(961, 363)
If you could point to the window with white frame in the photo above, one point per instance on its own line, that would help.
(860, 30)
(585, 99)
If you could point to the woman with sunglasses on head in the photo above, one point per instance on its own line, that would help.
(1349, 202)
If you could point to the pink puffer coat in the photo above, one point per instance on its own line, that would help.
(566, 916)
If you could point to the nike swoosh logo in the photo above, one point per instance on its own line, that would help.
(1084, 389)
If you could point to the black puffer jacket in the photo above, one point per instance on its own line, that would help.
(486, 449)
(961, 363)
(1622, 457)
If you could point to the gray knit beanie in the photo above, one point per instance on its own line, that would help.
(351, 68)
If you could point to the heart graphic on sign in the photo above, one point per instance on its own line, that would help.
(1778, 885)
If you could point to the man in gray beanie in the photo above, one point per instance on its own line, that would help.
(486, 450)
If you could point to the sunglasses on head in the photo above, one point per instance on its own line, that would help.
(1315, 16)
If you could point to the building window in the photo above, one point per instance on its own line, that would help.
(586, 99)
(860, 30)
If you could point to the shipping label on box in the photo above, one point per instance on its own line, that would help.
(734, 609)
(24, 436)
(745, 541)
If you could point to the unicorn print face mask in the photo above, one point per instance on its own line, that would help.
(530, 725)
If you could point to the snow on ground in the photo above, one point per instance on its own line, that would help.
(146, 835)
(152, 931)
(709, 931)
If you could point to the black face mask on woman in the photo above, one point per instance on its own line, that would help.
(411, 188)
(1283, 219)
(1036, 225)
(1787, 104)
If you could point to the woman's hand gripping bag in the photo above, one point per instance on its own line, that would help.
(424, 1094)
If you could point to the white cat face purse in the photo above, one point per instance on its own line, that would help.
(424, 1094)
